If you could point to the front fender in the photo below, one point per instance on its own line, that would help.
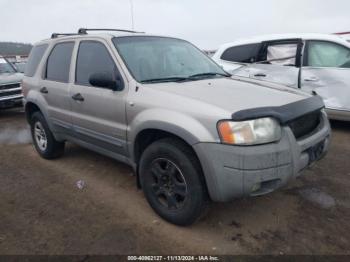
(184, 126)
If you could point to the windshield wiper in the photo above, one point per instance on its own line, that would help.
(209, 74)
(165, 79)
(181, 78)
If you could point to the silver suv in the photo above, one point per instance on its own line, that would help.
(191, 132)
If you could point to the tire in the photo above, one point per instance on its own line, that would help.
(52, 149)
(172, 180)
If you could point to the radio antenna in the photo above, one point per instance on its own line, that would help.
(132, 14)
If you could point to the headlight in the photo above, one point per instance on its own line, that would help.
(251, 132)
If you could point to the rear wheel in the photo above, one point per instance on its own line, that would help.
(172, 181)
(45, 143)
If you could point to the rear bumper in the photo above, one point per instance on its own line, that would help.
(237, 171)
(335, 114)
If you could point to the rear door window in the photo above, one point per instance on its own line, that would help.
(93, 57)
(241, 54)
(58, 63)
(327, 54)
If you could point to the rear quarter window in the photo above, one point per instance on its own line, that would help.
(35, 56)
(241, 54)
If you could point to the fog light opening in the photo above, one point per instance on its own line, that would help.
(265, 187)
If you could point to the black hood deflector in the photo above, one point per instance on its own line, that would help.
(284, 113)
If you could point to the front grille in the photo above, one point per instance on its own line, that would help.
(10, 86)
(10, 93)
(7, 90)
(305, 124)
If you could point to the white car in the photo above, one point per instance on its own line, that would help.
(345, 35)
(315, 63)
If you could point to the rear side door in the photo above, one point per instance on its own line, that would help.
(326, 71)
(279, 62)
(98, 114)
(55, 85)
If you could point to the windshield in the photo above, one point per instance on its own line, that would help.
(158, 59)
(5, 67)
(20, 67)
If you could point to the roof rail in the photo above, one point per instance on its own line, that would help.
(84, 30)
(55, 35)
(342, 33)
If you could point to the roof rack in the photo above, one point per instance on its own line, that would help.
(342, 33)
(84, 30)
(55, 35)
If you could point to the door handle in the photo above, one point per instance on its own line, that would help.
(44, 90)
(311, 79)
(78, 97)
(260, 75)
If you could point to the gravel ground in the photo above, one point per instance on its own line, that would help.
(85, 203)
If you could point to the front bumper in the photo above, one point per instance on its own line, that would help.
(11, 101)
(237, 171)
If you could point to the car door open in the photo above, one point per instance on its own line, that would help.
(279, 62)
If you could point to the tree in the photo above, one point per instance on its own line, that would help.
(12, 48)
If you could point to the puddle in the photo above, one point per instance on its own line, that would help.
(318, 197)
(15, 136)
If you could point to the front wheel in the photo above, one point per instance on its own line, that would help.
(172, 180)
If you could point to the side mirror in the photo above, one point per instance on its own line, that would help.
(105, 80)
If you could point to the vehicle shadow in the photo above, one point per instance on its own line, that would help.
(11, 112)
(340, 125)
(14, 128)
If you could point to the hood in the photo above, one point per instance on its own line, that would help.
(10, 78)
(233, 94)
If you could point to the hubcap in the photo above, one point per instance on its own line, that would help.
(169, 185)
(40, 136)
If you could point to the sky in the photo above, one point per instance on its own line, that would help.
(206, 23)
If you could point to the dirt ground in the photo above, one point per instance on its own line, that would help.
(43, 211)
